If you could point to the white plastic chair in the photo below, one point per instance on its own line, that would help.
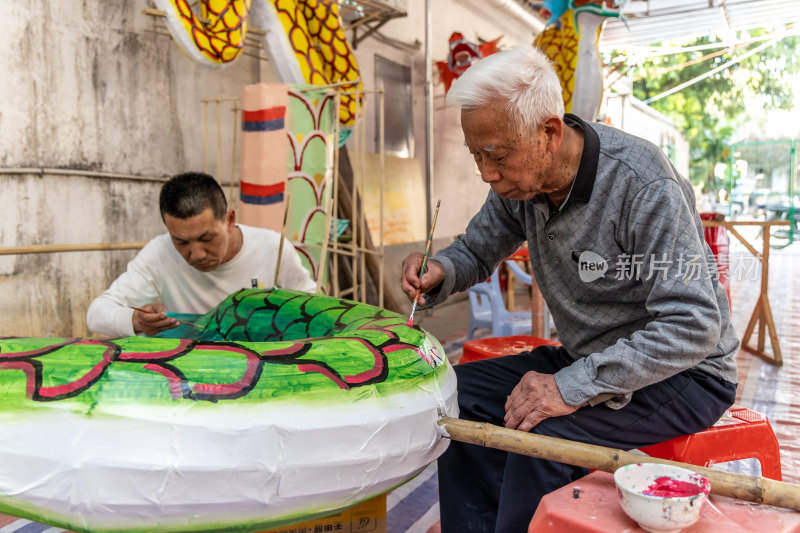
(487, 310)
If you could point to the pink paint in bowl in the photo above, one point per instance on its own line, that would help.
(661, 498)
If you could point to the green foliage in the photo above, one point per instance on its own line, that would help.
(709, 111)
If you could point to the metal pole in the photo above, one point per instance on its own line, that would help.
(428, 115)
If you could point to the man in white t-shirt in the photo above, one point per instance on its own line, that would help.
(204, 257)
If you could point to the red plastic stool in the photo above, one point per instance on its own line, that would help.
(739, 434)
(478, 349)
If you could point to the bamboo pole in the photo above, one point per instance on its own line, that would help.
(748, 488)
(329, 86)
(382, 152)
(286, 207)
(56, 248)
(362, 219)
(335, 251)
(219, 141)
(324, 252)
(345, 248)
(354, 212)
(205, 137)
(233, 156)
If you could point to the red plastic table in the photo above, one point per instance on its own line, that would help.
(591, 505)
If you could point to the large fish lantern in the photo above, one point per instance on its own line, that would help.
(283, 407)
(463, 54)
(304, 39)
(570, 40)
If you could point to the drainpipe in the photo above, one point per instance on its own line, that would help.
(428, 115)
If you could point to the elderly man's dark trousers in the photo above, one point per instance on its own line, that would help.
(487, 490)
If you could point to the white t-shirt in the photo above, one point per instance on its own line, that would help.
(159, 271)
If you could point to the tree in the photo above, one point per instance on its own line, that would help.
(709, 111)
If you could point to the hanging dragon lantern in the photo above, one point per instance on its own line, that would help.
(304, 39)
(463, 54)
(570, 40)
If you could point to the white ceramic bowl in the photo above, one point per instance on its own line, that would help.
(661, 498)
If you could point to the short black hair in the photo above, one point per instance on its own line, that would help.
(191, 193)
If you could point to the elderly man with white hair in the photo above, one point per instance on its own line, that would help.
(617, 249)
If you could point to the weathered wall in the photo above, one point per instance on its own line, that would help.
(88, 87)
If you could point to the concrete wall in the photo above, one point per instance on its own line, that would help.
(88, 87)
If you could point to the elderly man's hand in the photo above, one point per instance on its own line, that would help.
(535, 398)
(433, 276)
(153, 320)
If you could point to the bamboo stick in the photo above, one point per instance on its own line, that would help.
(286, 207)
(324, 252)
(205, 137)
(233, 156)
(219, 141)
(335, 250)
(748, 488)
(355, 211)
(56, 248)
(360, 190)
(382, 152)
(329, 86)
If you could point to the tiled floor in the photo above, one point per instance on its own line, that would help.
(765, 387)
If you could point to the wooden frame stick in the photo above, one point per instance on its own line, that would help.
(323, 256)
(740, 486)
(287, 205)
(231, 198)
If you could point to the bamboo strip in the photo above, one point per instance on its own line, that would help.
(354, 211)
(362, 219)
(381, 151)
(345, 248)
(57, 248)
(231, 198)
(335, 257)
(748, 488)
(219, 141)
(205, 137)
(286, 206)
(329, 86)
(324, 253)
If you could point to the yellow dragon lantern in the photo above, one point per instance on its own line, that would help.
(304, 39)
(570, 41)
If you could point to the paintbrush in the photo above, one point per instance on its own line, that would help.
(151, 312)
(424, 263)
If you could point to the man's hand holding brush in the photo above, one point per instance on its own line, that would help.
(152, 319)
(412, 284)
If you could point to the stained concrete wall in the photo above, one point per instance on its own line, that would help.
(92, 86)
(87, 86)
